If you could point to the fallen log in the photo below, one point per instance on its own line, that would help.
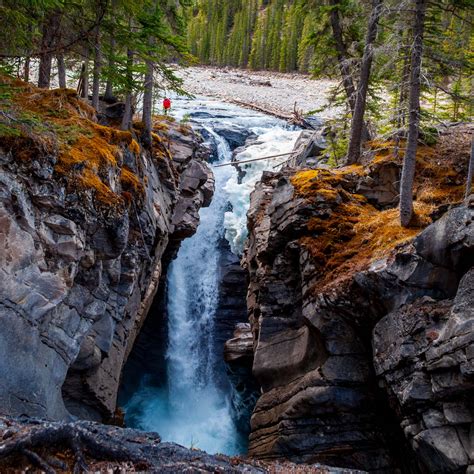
(84, 446)
(232, 163)
(295, 118)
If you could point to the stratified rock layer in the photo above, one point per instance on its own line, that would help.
(78, 274)
(326, 341)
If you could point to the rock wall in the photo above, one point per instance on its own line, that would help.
(79, 275)
(356, 367)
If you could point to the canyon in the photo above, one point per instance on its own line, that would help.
(353, 342)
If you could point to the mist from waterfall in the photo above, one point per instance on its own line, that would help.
(192, 408)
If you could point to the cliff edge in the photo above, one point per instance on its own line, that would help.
(88, 219)
(362, 330)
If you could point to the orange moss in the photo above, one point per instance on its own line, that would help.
(90, 180)
(56, 103)
(112, 135)
(440, 173)
(310, 183)
(355, 235)
(351, 169)
(58, 121)
(156, 138)
(134, 147)
(130, 180)
(95, 153)
(382, 145)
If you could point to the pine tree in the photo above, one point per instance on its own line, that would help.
(357, 125)
(408, 171)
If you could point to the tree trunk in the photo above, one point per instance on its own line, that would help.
(49, 37)
(470, 171)
(342, 56)
(357, 124)
(408, 171)
(97, 70)
(148, 103)
(61, 71)
(85, 74)
(343, 61)
(109, 92)
(402, 95)
(26, 71)
(127, 116)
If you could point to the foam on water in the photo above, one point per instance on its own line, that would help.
(190, 408)
(273, 142)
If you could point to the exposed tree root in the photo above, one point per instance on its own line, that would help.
(81, 438)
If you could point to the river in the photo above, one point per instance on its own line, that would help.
(191, 406)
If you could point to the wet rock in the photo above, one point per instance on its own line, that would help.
(240, 347)
(235, 136)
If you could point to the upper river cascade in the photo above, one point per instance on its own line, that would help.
(185, 394)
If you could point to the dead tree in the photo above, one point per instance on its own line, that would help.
(297, 118)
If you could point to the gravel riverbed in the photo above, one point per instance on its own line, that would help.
(272, 91)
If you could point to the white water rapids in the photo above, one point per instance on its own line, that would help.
(190, 408)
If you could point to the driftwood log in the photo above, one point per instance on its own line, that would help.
(295, 118)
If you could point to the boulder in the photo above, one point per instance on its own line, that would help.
(235, 136)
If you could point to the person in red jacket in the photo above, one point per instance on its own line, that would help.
(166, 105)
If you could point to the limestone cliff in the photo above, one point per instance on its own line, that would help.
(88, 218)
(362, 331)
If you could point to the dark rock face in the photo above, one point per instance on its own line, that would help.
(235, 136)
(319, 356)
(424, 351)
(79, 276)
(310, 358)
(238, 354)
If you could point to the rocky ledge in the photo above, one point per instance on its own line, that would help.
(363, 332)
(88, 220)
(84, 446)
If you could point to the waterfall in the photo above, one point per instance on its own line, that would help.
(192, 408)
